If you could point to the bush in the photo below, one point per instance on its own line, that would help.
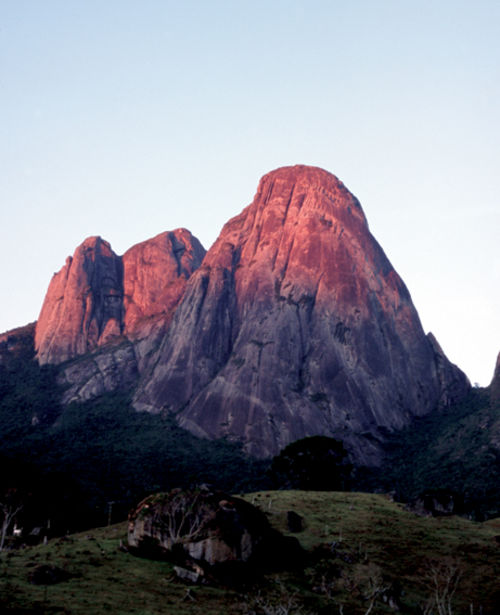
(317, 463)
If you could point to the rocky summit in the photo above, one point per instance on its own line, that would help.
(98, 296)
(82, 308)
(296, 324)
(293, 324)
(154, 276)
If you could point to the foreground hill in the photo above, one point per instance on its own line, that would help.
(361, 550)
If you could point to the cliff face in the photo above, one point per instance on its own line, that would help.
(296, 324)
(83, 305)
(155, 274)
(99, 297)
(293, 324)
(495, 382)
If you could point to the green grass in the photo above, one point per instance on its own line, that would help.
(103, 579)
(375, 539)
(372, 529)
(99, 451)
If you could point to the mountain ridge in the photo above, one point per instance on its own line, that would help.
(302, 324)
(294, 323)
(99, 296)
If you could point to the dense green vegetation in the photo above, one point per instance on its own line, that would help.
(110, 453)
(457, 449)
(28, 392)
(88, 464)
(361, 550)
(316, 463)
(100, 456)
(79, 464)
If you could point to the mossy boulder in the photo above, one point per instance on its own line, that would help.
(218, 535)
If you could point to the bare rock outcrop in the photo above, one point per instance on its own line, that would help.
(155, 273)
(99, 297)
(83, 305)
(113, 369)
(495, 382)
(210, 533)
(296, 324)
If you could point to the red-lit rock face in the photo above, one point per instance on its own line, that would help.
(296, 324)
(155, 274)
(83, 305)
(98, 296)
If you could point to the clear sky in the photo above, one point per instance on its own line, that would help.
(125, 118)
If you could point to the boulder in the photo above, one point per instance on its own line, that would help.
(438, 503)
(211, 533)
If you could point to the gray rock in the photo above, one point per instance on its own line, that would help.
(207, 531)
(295, 325)
(112, 369)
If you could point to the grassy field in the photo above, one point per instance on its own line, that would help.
(365, 554)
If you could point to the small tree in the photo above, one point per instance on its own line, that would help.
(316, 463)
(172, 519)
(10, 506)
(443, 578)
(185, 516)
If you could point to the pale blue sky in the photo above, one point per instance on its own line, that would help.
(127, 118)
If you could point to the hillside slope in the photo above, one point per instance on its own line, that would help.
(456, 449)
(355, 543)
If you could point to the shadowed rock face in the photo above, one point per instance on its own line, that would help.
(99, 296)
(495, 382)
(296, 324)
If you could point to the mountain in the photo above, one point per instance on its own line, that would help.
(296, 324)
(98, 296)
(293, 324)
(455, 451)
(82, 307)
(110, 312)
